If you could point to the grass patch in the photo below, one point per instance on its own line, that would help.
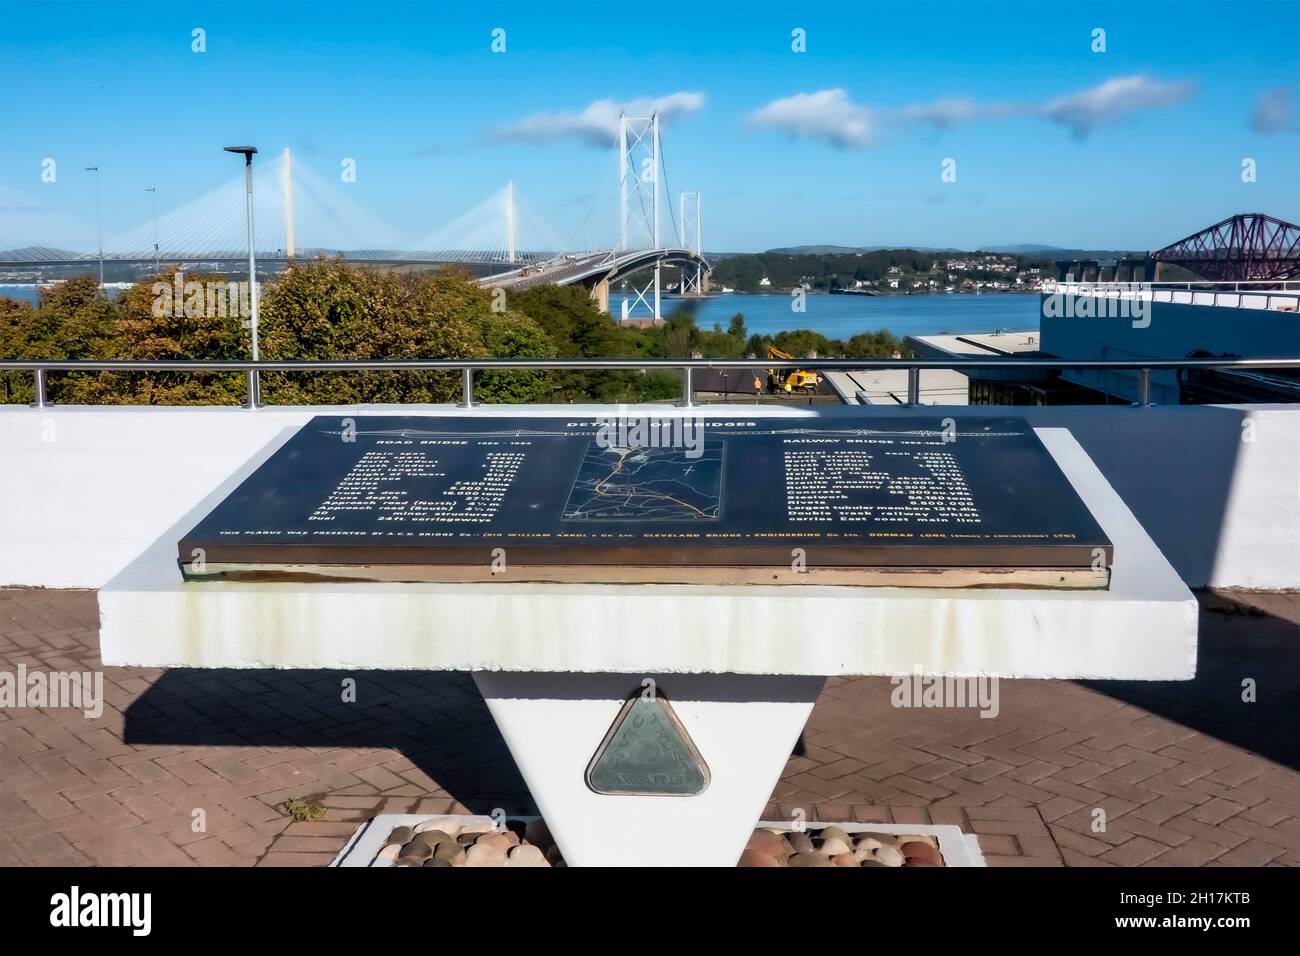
(304, 811)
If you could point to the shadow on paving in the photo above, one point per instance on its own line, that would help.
(1236, 641)
(436, 720)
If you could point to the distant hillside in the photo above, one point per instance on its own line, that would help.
(846, 250)
(1036, 249)
(1057, 252)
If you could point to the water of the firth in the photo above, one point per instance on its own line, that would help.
(843, 316)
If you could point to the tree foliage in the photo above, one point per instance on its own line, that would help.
(331, 309)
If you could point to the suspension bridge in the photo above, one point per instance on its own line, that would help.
(502, 240)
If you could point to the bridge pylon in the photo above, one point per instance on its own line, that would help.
(638, 203)
(693, 280)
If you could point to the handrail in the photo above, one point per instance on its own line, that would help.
(467, 368)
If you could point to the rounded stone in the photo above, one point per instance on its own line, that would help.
(836, 833)
(554, 856)
(884, 839)
(400, 835)
(526, 855)
(388, 851)
(923, 852)
(835, 847)
(436, 862)
(432, 837)
(407, 861)
(844, 859)
(871, 862)
(447, 826)
(538, 833)
(753, 858)
(809, 859)
(485, 854)
(801, 842)
(451, 851)
(917, 838)
(765, 841)
(478, 827)
(889, 856)
(502, 841)
(919, 862)
(416, 851)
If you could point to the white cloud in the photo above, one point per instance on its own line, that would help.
(1274, 111)
(1114, 100)
(597, 124)
(950, 112)
(832, 116)
(826, 114)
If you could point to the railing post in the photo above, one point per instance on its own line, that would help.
(688, 397)
(467, 388)
(253, 398)
(40, 400)
(913, 386)
(1144, 388)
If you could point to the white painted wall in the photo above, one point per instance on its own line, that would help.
(84, 490)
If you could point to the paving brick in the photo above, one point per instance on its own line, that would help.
(1134, 852)
(1250, 853)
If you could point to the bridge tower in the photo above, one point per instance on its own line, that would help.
(512, 253)
(287, 186)
(691, 220)
(638, 203)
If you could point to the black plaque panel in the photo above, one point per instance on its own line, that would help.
(554, 492)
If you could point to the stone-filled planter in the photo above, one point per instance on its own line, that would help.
(776, 843)
(439, 841)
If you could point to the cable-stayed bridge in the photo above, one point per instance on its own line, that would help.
(298, 215)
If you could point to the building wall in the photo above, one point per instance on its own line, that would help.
(85, 490)
(1174, 331)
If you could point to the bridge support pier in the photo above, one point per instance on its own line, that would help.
(600, 294)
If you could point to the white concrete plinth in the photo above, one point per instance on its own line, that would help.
(1142, 628)
(744, 727)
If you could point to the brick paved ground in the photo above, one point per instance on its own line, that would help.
(1186, 773)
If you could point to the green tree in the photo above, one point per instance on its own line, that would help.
(330, 309)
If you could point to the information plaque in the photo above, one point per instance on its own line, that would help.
(790, 501)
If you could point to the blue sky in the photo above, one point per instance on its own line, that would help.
(1054, 143)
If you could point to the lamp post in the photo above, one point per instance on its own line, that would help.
(99, 225)
(247, 152)
(154, 190)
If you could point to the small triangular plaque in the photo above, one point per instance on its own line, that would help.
(647, 752)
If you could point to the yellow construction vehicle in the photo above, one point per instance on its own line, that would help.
(791, 380)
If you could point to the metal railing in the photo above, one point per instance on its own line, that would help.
(253, 370)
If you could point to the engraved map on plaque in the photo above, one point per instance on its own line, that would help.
(647, 484)
(769, 500)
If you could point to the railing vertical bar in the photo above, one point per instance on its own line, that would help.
(913, 386)
(1144, 388)
(41, 400)
(467, 387)
(688, 388)
(253, 397)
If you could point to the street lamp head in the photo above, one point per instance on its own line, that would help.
(246, 151)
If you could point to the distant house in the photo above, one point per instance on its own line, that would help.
(765, 281)
(893, 283)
